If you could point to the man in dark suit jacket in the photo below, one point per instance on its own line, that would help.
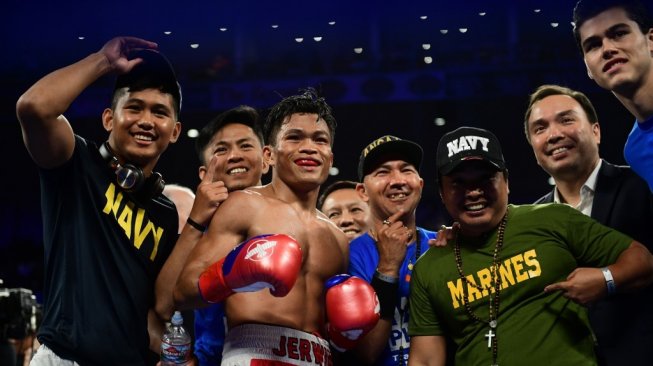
(562, 127)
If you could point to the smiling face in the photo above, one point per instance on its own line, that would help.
(301, 153)
(346, 208)
(240, 157)
(618, 56)
(476, 195)
(141, 126)
(391, 186)
(564, 141)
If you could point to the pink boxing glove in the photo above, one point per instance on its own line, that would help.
(266, 261)
(352, 309)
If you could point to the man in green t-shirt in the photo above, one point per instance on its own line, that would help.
(510, 286)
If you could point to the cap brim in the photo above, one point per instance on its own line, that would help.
(450, 167)
(400, 149)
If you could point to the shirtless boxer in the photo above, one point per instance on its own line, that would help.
(286, 323)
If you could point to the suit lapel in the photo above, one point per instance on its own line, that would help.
(548, 198)
(607, 184)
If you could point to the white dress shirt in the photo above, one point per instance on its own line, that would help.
(586, 192)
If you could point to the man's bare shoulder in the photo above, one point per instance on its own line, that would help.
(239, 203)
(321, 217)
(252, 198)
(250, 195)
(337, 232)
(262, 193)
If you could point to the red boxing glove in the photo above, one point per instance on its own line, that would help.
(352, 309)
(266, 261)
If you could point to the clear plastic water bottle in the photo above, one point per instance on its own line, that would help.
(175, 343)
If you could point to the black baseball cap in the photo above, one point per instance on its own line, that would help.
(468, 143)
(376, 152)
(154, 72)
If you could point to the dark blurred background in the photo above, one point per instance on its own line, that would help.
(414, 69)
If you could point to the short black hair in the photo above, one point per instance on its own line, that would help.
(586, 9)
(548, 90)
(307, 102)
(335, 186)
(243, 114)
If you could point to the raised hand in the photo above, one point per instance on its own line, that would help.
(117, 52)
(209, 195)
(392, 238)
(445, 234)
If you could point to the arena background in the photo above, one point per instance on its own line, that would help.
(485, 58)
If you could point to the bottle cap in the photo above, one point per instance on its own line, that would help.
(177, 319)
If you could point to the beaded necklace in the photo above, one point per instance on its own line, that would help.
(495, 284)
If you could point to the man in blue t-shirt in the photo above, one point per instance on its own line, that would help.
(384, 256)
(230, 150)
(616, 39)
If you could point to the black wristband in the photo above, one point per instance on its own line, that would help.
(388, 294)
(198, 227)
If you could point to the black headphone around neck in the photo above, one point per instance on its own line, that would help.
(130, 177)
